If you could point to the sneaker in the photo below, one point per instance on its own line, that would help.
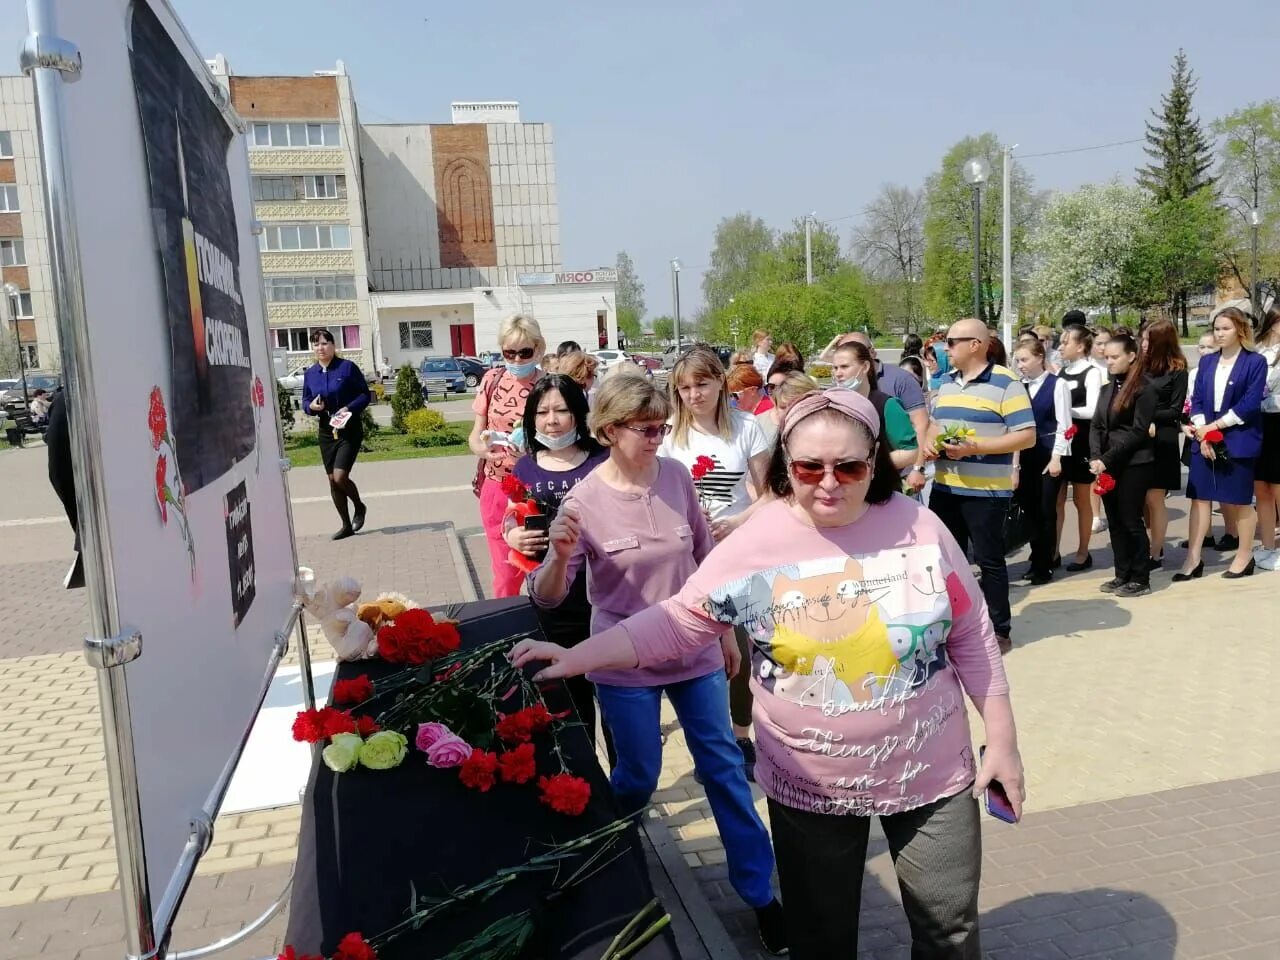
(1112, 585)
(1133, 589)
(771, 923)
(1269, 560)
(1099, 524)
(748, 757)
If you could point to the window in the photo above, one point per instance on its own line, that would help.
(351, 337)
(415, 335)
(13, 253)
(296, 135)
(8, 198)
(305, 236)
(31, 355)
(6, 144)
(320, 186)
(274, 188)
(317, 287)
(298, 339)
(20, 305)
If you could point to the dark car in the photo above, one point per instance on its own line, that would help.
(11, 398)
(649, 363)
(472, 369)
(442, 375)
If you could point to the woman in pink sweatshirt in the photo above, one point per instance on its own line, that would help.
(867, 631)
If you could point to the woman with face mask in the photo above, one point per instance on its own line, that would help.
(853, 368)
(499, 407)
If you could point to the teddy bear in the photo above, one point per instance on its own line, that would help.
(385, 607)
(333, 605)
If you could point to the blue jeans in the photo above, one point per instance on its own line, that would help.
(702, 704)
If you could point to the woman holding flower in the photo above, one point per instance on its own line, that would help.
(1226, 430)
(1122, 460)
(636, 526)
(1040, 466)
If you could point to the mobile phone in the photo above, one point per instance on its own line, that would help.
(539, 522)
(998, 804)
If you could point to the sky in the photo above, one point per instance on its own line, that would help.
(670, 116)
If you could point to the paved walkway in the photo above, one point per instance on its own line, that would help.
(1153, 828)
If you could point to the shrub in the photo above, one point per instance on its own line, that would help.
(378, 390)
(407, 398)
(284, 406)
(820, 371)
(440, 438)
(370, 427)
(423, 421)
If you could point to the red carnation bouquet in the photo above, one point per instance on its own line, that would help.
(522, 506)
(1103, 484)
(702, 466)
(415, 637)
(1218, 442)
(1070, 432)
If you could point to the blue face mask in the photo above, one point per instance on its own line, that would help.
(521, 370)
(557, 443)
(853, 383)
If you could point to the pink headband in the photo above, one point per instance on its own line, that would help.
(849, 402)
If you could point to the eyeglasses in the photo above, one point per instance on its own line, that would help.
(525, 353)
(846, 471)
(952, 341)
(649, 433)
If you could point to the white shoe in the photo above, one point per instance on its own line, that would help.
(1268, 559)
(1099, 524)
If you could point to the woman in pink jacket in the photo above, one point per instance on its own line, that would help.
(867, 630)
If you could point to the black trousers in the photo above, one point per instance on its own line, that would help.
(937, 855)
(1123, 505)
(980, 521)
(1038, 494)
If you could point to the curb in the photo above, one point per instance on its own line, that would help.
(712, 940)
(461, 569)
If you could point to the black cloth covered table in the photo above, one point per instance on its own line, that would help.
(368, 837)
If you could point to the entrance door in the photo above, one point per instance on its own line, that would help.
(602, 328)
(462, 339)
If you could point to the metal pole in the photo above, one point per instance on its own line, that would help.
(1006, 250)
(675, 286)
(1255, 294)
(808, 248)
(977, 251)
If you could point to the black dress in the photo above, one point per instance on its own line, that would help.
(1171, 394)
(1075, 468)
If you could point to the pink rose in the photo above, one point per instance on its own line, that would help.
(429, 733)
(449, 751)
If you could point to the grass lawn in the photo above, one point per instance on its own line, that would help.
(304, 450)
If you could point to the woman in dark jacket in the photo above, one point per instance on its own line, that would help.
(335, 389)
(1120, 444)
(1163, 362)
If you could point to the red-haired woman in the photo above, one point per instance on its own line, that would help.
(1163, 363)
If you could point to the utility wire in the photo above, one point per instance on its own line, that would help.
(1101, 146)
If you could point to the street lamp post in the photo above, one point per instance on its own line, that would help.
(1255, 292)
(675, 296)
(976, 172)
(10, 292)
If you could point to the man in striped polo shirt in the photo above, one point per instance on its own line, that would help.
(974, 480)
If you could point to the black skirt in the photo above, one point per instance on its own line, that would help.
(1075, 467)
(1268, 465)
(1168, 466)
(340, 454)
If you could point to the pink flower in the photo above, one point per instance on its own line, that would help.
(429, 733)
(449, 751)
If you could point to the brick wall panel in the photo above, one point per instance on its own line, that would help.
(285, 98)
(16, 275)
(10, 225)
(7, 173)
(464, 195)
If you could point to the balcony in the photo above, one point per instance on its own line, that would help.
(296, 160)
(294, 211)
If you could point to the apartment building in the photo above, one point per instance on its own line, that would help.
(304, 161)
(24, 249)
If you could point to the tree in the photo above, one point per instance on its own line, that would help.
(1180, 152)
(948, 231)
(407, 396)
(630, 298)
(889, 245)
(1083, 244)
(787, 264)
(741, 243)
(1249, 180)
(10, 364)
(664, 328)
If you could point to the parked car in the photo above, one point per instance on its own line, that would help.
(648, 363)
(292, 381)
(11, 399)
(607, 360)
(442, 375)
(473, 369)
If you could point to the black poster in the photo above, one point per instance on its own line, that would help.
(186, 138)
(240, 551)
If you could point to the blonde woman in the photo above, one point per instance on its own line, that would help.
(704, 426)
(499, 408)
(763, 357)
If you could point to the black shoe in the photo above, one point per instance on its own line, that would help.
(771, 923)
(1134, 589)
(1038, 577)
(1195, 574)
(1004, 643)
(1075, 566)
(357, 524)
(1237, 574)
(1206, 542)
(1112, 585)
(343, 534)
(1154, 563)
(1057, 563)
(748, 757)
(1227, 542)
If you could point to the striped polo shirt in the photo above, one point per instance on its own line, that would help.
(993, 403)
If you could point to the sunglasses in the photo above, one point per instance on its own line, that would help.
(649, 433)
(811, 472)
(525, 353)
(952, 341)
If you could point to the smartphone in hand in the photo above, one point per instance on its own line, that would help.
(997, 800)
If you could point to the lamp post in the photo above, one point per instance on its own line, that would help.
(976, 172)
(11, 290)
(808, 246)
(1255, 294)
(675, 296)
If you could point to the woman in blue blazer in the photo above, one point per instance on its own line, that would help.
(1228, 398)
(334, 386)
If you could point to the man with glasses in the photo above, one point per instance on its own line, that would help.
(973, 482)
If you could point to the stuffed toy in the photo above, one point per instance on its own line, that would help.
(333, 604)
(385, 607)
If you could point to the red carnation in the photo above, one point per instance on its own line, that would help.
(259, 396)
(514, 489)
(698, 471)
(478, 770)
(307, 727)
(162, 487)
(444, 639)
(414, 637)
(565, 793)
(157, 420)
(336, 721)
(1213, 436)
(1070, 432)
(291, 954)
(366, 726)
(354, 947)
(518, 765)
(1104, 484)
(703, 460)
(520, 726)
(354, 691)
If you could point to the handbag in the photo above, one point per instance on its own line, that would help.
(1016, 534)
(477, 482)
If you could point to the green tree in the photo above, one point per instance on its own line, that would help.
(10, 365)
(787, 264)
(407, 397)
(742, 242)
(1083, 244)
(1181, 154)
(284, 406)
(630, 298)
(948, 231)
(1249, 180)
(664, 328)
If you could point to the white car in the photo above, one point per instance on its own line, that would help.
(608, 359)
(291, 381)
